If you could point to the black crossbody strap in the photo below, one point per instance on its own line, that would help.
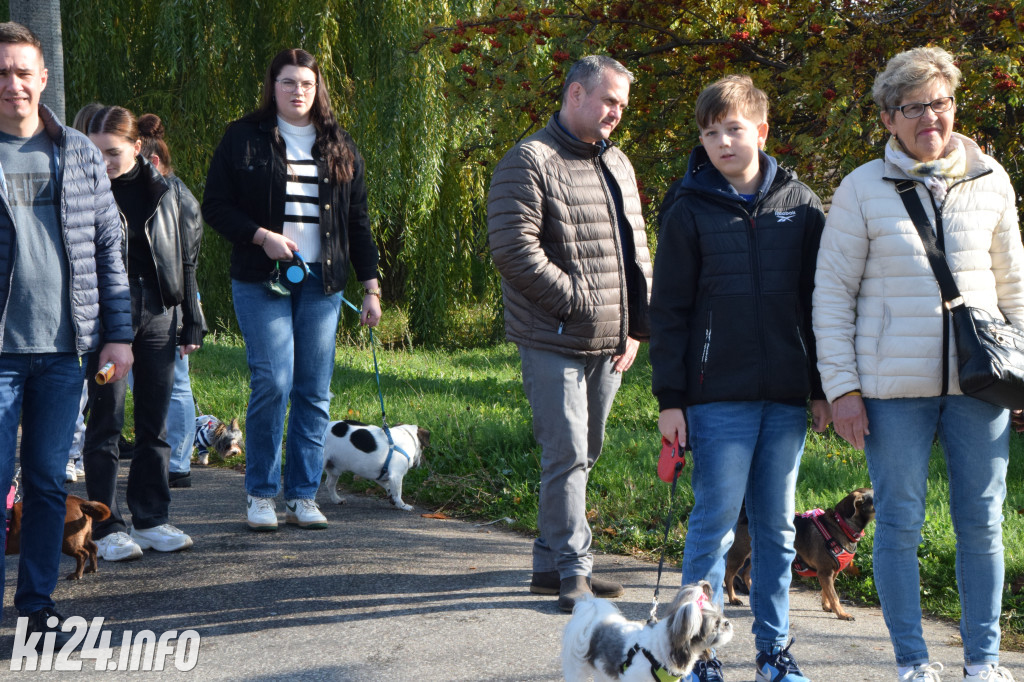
(907, 190)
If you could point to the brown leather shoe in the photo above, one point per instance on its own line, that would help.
(548, 582)
(571, 590)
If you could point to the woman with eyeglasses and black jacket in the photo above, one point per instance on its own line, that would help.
(287, 181)
(160, 226)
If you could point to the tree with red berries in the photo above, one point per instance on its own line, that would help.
(816, 59)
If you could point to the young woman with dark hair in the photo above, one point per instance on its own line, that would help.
(286, 180)
(159, 248)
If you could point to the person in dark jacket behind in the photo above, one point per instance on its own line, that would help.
(286, 180)
(63, 294)
(181, 417)
(566, 231)
(159, 224)
(731, 344)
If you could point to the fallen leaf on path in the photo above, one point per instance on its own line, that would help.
(435, 515)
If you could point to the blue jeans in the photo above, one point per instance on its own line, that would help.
(42, 391)
(570, 398)
(975, 445)
(746, 450)
(289, 344)
(181, 418)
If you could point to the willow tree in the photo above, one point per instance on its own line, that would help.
(199, 65)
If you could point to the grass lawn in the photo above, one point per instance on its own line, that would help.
(484, 463)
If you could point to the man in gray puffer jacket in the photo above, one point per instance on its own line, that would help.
(567, 234)
(63, 294)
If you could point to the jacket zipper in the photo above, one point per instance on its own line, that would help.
(755, 271)
(707, 349)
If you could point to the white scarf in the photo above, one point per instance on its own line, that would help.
(937, 175)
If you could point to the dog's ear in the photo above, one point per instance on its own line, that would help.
(234, 424)
(424, 437)
(847, 507)
(706, 586)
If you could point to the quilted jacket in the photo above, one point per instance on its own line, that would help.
(877, 312)
(553, 237)
(100, 303)
(730, 310)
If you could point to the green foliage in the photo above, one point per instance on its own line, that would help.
(816, 59)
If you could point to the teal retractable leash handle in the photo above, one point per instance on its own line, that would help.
(392, 447)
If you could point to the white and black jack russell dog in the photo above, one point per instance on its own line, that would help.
(365, 451)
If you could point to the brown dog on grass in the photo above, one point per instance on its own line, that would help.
(816, 555)
(77, 532)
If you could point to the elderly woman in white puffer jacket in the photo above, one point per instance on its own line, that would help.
(887, 360)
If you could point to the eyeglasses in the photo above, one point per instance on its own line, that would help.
(288, 85)
(916, 109)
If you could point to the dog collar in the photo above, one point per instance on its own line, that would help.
(854, 536)
(658, 672)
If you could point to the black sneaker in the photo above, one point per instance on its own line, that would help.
(47, 620)
(707, 670)
(179, 479)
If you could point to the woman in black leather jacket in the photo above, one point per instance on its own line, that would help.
(159, 232)
(287, 179)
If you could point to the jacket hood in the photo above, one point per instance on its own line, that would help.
(702, 176)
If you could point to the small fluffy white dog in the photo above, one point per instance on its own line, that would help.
(363, 450)
(600, 642)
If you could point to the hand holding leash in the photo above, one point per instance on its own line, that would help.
(275, 245)
(672, 425)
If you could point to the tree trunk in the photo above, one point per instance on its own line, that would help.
(43, 18)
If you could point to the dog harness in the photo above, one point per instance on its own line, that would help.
(840, 554)
(392, 449)
(205, 426)
(658, 672)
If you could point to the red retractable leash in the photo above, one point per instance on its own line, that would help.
(670, 465)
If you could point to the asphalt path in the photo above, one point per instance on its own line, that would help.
(384, 594)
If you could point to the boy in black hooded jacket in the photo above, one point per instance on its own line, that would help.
(731, 344)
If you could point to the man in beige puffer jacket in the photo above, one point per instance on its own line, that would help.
(566, 232)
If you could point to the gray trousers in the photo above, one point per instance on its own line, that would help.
(570, 398)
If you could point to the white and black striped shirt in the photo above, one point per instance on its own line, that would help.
(302, 205)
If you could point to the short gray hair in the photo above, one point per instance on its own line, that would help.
(589, 70)
(911, 70)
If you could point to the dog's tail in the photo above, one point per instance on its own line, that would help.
(96, 510)
(587, 615)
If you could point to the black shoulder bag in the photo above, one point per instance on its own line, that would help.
(990, 352)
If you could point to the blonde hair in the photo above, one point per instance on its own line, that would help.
(731, 92)
(911, 70)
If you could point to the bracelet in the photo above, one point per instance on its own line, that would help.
(372, 292)
(265, 233)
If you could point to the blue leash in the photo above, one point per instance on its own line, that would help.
(392, 447)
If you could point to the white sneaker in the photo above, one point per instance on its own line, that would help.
(305, 513)
(162, 538)
(260, 513)
(69, 473)
(79, 469)
(994, 673)
(117, 547)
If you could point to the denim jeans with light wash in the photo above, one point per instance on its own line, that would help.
(289, 344)
(42, 391)
(748, 450)
(181, 418)
(975, 445)
(570, 398)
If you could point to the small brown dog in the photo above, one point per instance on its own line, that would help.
(77, 532)
(825, 545)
